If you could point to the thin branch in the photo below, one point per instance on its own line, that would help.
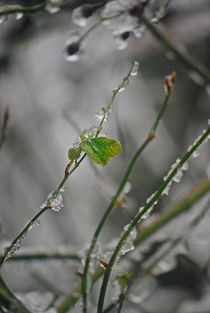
(15, 8)
(182, 206)
(183, 56)
(149, 205)
(43, 256)
(3, 131)
(149, 138)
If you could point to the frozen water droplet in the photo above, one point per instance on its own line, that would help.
(102, 115)
(115, 290)
(178, 176)
(76, 144)
(185, 166)
(54, 201)
(121, 89)
(19, 16)
(127, 187)
(34, 224)
(78, 17)
(129, 245)
(121, 43)
(195, 154)
(147, 213)
(164, 266)
(135, 69)
(167, 189)
(53, 6)
(82, 14)
(73, 47)
(57, 203)
(3, 19)
(138, 31)
(89, 132)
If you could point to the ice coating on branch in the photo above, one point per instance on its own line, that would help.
(34, 224)
(147, 213)
(54, 200)
(177, 177)
(57, 203)
(89, 132)
(102, 115)
(129, 242)
(10, 250)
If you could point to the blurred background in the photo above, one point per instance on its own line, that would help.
(51, 101)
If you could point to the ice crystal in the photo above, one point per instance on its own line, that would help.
(103, 115)
(19, 16)
(128, 244)
(34, 224)
(135, 69)
(3, 19)
(57, 203)
(82, 14)
(53, 6)
(10, 250)
(117, 18)
(89, 132)
(54, 200)
(120, 41)
(147, 213)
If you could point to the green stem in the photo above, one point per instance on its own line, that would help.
(4, 126)
(140, 214)
(187, 59)
(43, 256)
(14, 9)
(197, 193)
(150, 137)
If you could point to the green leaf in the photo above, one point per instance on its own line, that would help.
(100, 149)
(74, 153)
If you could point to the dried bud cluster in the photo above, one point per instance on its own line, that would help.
(169, 82)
